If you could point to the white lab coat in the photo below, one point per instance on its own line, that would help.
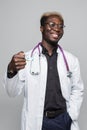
(34, 87)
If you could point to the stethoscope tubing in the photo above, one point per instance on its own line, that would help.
(65, 60)
(69, 73)
(37, 46)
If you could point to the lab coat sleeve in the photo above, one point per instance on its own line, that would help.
(15, 85)
(76, 95)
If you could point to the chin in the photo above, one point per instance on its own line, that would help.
(53, 43)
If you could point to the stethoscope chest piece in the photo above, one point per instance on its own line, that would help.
(69, 74)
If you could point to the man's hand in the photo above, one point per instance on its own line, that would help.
(17, 62)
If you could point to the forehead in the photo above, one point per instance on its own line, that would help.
(54, 19)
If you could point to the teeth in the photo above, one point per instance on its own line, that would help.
(55, 35)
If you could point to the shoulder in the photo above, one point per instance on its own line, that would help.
(69, 55)
(71, 59)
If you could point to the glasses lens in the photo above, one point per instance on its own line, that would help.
(53, 25)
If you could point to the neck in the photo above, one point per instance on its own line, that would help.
(48, 46)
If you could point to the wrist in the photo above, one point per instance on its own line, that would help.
(11, 73)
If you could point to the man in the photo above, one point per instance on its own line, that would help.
(52, 98)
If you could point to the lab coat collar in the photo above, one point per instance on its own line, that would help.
(40, 47)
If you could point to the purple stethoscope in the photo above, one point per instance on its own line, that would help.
(69, 73)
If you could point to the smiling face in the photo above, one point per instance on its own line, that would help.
(52, 30)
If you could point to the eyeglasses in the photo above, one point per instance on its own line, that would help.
(53, 25)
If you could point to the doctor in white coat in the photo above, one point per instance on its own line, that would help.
(29, 72)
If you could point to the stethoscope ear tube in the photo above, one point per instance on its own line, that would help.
(69, 73)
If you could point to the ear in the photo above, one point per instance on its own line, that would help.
(41, 28)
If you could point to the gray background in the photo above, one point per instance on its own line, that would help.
(19, 30)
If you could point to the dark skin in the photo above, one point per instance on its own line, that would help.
(50, 38)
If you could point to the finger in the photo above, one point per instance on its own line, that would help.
(20, 63)
(19, 59)
(20, 55)
(18, 66)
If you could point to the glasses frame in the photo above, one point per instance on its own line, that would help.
(53, 25)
